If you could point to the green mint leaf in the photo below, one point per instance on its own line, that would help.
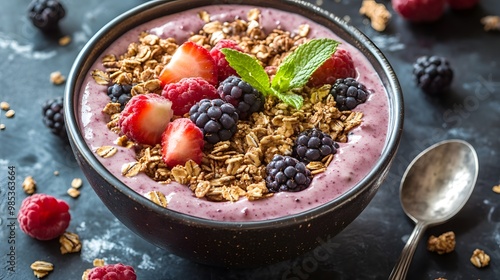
(289, 98)
(297, 68)
(249, 70)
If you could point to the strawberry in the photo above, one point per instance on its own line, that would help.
(186, 92)
(182, 141)
(339, 66)
(189, 60)
(145, 117)
(462, 4)
(419, 10)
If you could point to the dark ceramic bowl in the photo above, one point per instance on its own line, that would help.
(235, 244)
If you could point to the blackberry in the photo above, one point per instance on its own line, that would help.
(432, 73)
(120, 94)
(45, 14)
(285, 173)
(245, 98)
(53, 116)
(216, 119)
(313, 145)
(348, 93)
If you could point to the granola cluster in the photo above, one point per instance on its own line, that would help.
(230, 169)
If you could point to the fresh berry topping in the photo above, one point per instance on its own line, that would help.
(189, 60)
(120, 94)
(216, 119)
(145, 117)
(186, 92)
(462, 4)
(340, 65)
(245, 98)
(285, 173)
(419, 10)
(223, 68)
(53, 116)
(348, 93)
(432, 73)
(45, 14)
(43, 217)
(182, 141)
(112, 272)
(313, 145)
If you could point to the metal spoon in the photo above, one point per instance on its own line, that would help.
(435, 186)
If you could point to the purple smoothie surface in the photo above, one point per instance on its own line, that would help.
(352, 162)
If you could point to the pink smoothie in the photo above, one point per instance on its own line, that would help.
(351, 163)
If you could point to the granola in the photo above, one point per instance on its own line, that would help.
(491, 23)
(232, 169)
(443, 244)
(41, 268)
(377, 13)
(479, 258)
(29, 185)
(70, 243)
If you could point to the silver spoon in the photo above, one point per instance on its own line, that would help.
(435, 186)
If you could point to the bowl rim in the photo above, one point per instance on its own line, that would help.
(363, 43)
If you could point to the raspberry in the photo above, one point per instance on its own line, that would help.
(120, 94)
(45, 14)
(245, 98)
(348, 93)
(313, 145)
(53, 116)
(432, 73)
(185, 93)
(419, 10)
(285, 173)
(462, 4)
(223, 68)
(112, 272)
(216, 119)
(340, 65)
(43, 217)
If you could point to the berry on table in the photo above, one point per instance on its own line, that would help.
(43, 217)
(189, 60)
(53, 116)
(340, 65)
(186, 92)
(216, 119)
(432, 73)
(112, 272)
(419, 10)
(120, 94)
(245, 98)
(348, 93)
(285, 173)
(224, 70)
(145, 117)
(182, 141)
(313, 145)
(462, 4)
(45, 14)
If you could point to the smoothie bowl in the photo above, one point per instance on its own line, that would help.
(235, 133)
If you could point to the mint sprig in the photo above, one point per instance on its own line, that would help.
(294, 72)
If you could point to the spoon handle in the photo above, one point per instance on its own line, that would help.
(404, 261)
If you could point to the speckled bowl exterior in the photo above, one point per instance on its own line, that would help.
(230, 244)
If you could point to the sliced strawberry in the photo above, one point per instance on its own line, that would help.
(339, 66)
(182, 141)
(145, 117)
(189, 60)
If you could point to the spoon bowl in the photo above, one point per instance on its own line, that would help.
(434, 188)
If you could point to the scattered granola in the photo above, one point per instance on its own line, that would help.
(2, 126)
(98, 262)
(491, 23)
(74, 193)
(41, 268)
(57, 78)
(29, 185)
(65, 40)
(377, 13)
(56, 173)
(480, 258)
(231, 169)
(76, 183)
(4, 106)
(70, 243)
(496, 188)
(445, 243)
(10, 113)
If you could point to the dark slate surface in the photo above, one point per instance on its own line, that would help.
(367, 249)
